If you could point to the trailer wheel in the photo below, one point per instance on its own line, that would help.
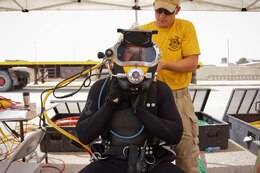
(22, 84)
(6, 82)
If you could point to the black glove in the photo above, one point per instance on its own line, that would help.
(138, 102)
(114, 93)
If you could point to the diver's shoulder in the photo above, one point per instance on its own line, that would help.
(100, 82)
(162, 85)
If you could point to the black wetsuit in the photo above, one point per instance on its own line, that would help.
(95, 120)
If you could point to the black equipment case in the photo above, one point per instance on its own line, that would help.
(212, 132)
(54, 141)
(244, 108)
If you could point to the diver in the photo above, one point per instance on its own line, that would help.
(130, 118)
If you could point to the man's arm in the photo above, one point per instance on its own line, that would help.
(187, 64)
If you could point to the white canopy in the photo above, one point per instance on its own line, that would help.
(187, 5)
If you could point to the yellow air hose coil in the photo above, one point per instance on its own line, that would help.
(52, 123)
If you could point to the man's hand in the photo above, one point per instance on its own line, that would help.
(161, 66)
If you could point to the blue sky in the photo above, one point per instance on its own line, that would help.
(80, 35)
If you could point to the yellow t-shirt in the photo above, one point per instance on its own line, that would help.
(175, 42)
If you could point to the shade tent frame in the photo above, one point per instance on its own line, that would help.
(187, 5)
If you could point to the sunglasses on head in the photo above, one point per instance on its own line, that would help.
(166, 12)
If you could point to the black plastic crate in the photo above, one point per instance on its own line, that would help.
(212, 132)
(54, 141)
(244, 108)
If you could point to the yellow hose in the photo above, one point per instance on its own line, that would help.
(52, 123)
(5, 140)
(256, 124)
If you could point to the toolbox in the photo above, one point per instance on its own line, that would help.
(242, 110)
(54, 141)
(212, 132)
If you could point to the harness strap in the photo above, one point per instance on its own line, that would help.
(131, 153)
(132, 158)
(121, 151)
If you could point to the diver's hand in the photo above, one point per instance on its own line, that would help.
(114, 94)
(138, 102)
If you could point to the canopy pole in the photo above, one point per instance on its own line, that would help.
(136, 7)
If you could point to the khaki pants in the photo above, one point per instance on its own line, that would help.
(187, 151)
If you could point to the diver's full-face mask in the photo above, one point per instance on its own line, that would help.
(135, 60)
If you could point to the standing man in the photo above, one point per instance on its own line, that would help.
(179, 45)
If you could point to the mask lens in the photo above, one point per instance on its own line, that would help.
(136, 53)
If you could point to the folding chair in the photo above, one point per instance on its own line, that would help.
(26, 149)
